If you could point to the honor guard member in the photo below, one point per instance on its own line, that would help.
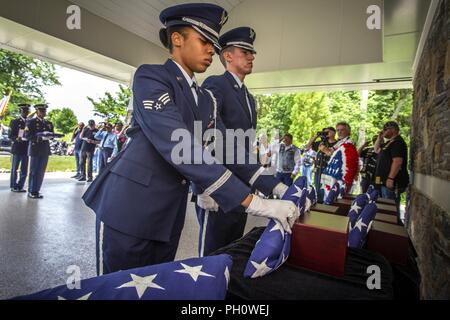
(237, 109)
(19, 149)
(140, 199)
(38, 149)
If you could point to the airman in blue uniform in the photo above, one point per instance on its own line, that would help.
(237, 109)
(38, 149)
(19, 149)
(140, 198)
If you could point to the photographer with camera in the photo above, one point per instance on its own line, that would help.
(327, 140)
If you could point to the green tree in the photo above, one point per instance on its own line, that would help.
(25, 78)
(345, 107)
(386, 105)
(305, 113)
(274, 112)
(309, 114)
(112, 107)
(63, 119)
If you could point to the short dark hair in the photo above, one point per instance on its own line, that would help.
(391, 124)
(91, 122)
(329, 128)
(165, 35)
(289, 136)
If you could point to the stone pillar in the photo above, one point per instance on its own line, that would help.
(428, 214)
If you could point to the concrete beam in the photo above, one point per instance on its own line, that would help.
(96, 34)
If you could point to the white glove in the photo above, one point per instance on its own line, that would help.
(279, 190)
(206, 202)
(284, 211)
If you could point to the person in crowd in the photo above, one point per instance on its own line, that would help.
(87, 151)
(307, 164)
(368, 157)
(391, 174)
(120, 130)
(76, 140)
(327, 139)
(107, 144)
(288, 160)
(344, 162)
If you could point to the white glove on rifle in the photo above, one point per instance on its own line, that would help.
(279, 190)
(284, 211)
(206, 202)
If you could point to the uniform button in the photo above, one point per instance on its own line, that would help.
(183, 182)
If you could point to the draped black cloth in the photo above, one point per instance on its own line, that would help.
(295, 283)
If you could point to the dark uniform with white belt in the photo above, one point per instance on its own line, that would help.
(237, 109)
(19, 149)
(140, 198)
(38, 149)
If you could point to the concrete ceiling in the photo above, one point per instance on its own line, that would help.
(302, 44)
(16, 37)
(140, 17)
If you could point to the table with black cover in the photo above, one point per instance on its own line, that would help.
(296, 283)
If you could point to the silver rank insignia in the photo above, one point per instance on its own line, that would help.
(223, 18)
(157, 105)
(252, 34)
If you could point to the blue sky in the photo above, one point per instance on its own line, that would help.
(75, 87)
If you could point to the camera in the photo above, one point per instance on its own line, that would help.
(322, 135)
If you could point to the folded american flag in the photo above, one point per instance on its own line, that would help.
(273, 248)
(361, 215)
(342, 189)
(373, 195)
(191, 279)
(332, 194)
(357, 206)
(357, 234)
(48, 134)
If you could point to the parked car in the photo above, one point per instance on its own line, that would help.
(5, 141)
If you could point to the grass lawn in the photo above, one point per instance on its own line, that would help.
(55, 164)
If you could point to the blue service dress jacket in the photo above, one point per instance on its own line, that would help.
(144, 190)
(37, 146)
(231, 102)
(19, 147)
